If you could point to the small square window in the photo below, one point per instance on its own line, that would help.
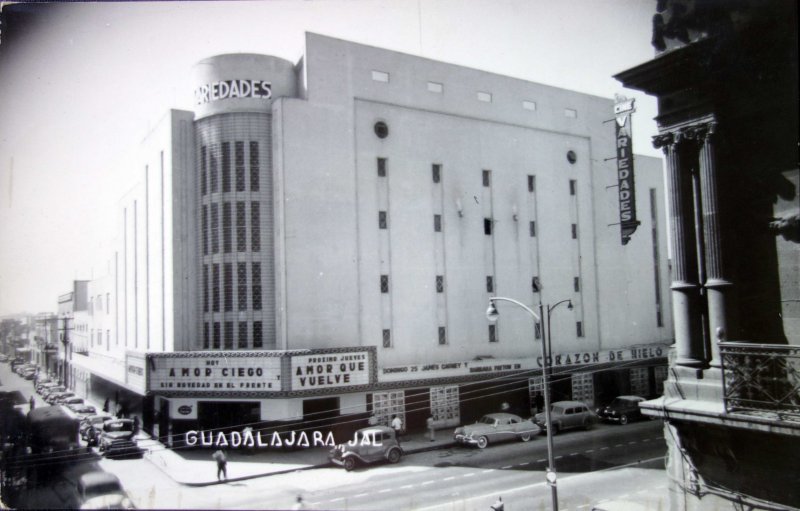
(487, 178)
(532, 229)
(440, 284)
(573, 185)
(485, 97)
(492, 333)
(487, 226)
(384, 283)
(570, 113)
(437, 223)
(442, 335)
(579, 328)
(435, 87)
(381, 167)
(577, 284)
(574, 231)
(531, 183)
(380, 76)
(436, 170)
(382, 219)
(489, 284)
(387, 338)
(529, 105)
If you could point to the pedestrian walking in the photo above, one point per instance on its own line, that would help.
(105, 405)
(222, 464)
(397, 426)
(431, 429)
(539, 401)
(498, 505)
(299, 504)
(32, 403)
(136, 425)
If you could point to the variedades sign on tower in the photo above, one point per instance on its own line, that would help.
(230, 89)
(623, 108)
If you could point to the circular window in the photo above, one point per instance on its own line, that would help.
(572, 157)
(381, 129)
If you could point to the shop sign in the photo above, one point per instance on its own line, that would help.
(214, 371)
(183, 409)
(231, 89)
(623, 109)
(330, 370)
(135, 371)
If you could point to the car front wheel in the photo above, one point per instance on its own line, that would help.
(349, 464)
(482, 442)
(623, 420)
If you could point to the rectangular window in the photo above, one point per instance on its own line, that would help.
(485, 97)
(492, 333)
(215, 288)
(255, 167)
(258, 334)
(435, 87)
(487, 178)
(387, 338)
(241, 281)
(212, 159)
(227, 230)
(529, 105)
(577, 284)
(573, 185)
(203, 171)
(537, 330)
(579, 328)
(384, 283)
(536, 286)
(381, 219)
(214, 228)
(532, 229)
(226, 166)
(255, 227)
(440, 284)
(381, 167)
(205, 288)
(228, 338)
(227, 279)
(204, 229)
(108, 303)
(206, 336)
(437, 223)
(442, 335)
(531, 183)
(574, 231)
(241, 227)
(380, 76)
(570, 113)
(239, 163)
(217, 335)
(256, 286)
(487, 226)
(242, 340)
(490, 284)
(436, 170)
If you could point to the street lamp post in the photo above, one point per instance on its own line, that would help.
(492, 315)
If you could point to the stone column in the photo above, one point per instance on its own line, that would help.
(716, 284)
(685, 286)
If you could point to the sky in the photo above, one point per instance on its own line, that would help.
(82, 83)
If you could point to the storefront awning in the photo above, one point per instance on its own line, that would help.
(108, 369)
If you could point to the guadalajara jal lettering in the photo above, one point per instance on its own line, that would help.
(228, 89)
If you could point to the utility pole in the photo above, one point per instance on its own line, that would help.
(65, 342)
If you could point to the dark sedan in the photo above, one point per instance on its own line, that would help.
(621, 410)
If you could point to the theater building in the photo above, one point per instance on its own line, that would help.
(319, 240)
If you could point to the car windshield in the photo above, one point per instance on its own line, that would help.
(621, 401)
(103, 488)
(487, 420)
(119, 426)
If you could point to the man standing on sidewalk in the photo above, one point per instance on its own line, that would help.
(222, 463)
(397, 426)
(431, 430)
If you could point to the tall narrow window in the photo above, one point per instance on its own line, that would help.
(228, 337)
(255, 227)
(577, 284)
(574, 231)
(215, 288)
(487, 226)
(241, 227)
(212, 159)
(531, 183)
(255, 167)
(227, 230)
(205, 288)
(256, 286)
(204, 229)
(440, 284)
(437, 223)
(492, 333)
(242, 340)
(203, 171)
(241, 281)
(436, 170)
(387, 338)
(579, 328)
(227, 278)
(258, 334)
(537, 330)
(214, 228)
(239, 163)
(573, 186)
(381, 219)
(381, 167)
(489, 284)
(536, 286)
(532, 229)
(442, 335)
(384, 283)
(217, 335)
(206, 336)
(226, 166)
(487, 178)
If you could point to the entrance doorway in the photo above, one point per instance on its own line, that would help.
(321, 414)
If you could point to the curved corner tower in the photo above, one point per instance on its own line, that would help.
(233, 136)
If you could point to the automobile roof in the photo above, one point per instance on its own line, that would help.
(569, 403)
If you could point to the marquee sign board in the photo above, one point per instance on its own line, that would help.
(218, 371)
(623, 108)
(330, 370)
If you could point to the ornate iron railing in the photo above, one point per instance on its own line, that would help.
(761, 379)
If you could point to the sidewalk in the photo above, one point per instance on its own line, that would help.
(195, 467)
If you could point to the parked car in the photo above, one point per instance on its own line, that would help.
(622, 409)
(567, 415)
(117, 438)
(82, 409)
(496, 427)
(54, 397)
(29, 373)
(375, 443)
(101, 490)
(3, 358)
(16, 363)
(48, 390)
(93, 421)
(74, 400)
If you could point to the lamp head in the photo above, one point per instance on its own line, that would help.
(491, 312)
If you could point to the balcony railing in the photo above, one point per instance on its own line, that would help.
(761, 379)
